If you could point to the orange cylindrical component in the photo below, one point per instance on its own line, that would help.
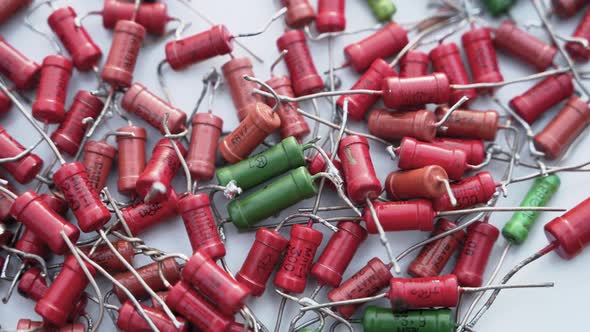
(292, 123)
(425, 182)
(131, 158)
(98, 159)
(397, 125)
(203, 145)
(240, 89)
(259, 123)
(469, 124)
(120, 64)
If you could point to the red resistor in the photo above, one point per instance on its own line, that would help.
(200, 225)
(149, 273)
(202, 46)
(131, 158)
(318, 164)
(162, 295)
(202, 148)
(338, 254)
(262, 258)
(446, 58)
(380, 45)
(299, 13)
(83, 200)
(6, 204)
(331, 16)
(120, 64)
(414, 154)
(481, 56)
(401, 216)
(469, 124)
(413, 64)
(571, 231)
(25, 325)
(358, 169)
(98, 159)
(152, 16)
(292, 123)
(31, 243)
(19, 69)
(239, 88)
(416, 293)
(397, 125)
(415, 91)
(68, 136)
(470, 191)
(5, 103)
(296, 265)
(476, 252)
(49, 106)
(85, 53)
(32, 285)
(160, 170)
(57, 204)
(425, 182)
(474, 149)
(10, 7)
(577, 50)
(304, 76)
(26, 168)
(105, 257)
(567, 8)
(218, 286)
(131, 320)
(141, 216)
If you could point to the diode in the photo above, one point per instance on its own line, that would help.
(575, 49)
(129, 319)
(131, 159)
(239, 88)
(383, 10)
(150, 274)
(413, 63)
(446, 58)
(20, 70)
(330, 16)
(11, 7)
(49, 106)
(120, 63)
(299, 13)
(428, 182)
(304, 76)
(25, 167)
(141, 216)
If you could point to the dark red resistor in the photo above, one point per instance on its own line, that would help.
(372, 278)
(415, 154)
(141, 216)
(318, 164)
(68, 136)
(405, 294)
(567, 8)
(380, 45)
(149, 273)
(331, 16)
(292, 123)
(414, 63)
(542, 96)
(397, 125)
(120, 64)
(481, 55)
(31, 243)
(26, 168)
(338, 254)
(200, 225)
(19, 69)
(202, 148)
(202, 46)
(472, 262)
(60, 299)
(5, 103)
(85, 53)
(72, 179)
(160, 170)
(434, 256)
(262, 258)
(152, 16)
(411, 215)
(105, 257)
(131, 158)
(446, 58)
(474, 149)
(239, 88)
(570, 232)
(359, 172)
(218, 286)
(470, 191)
(32, 285)
(143, 103)
(131, 320)
(304, 76)
(25, 325)
(162, 296)
(98, 159)
(299, 13)
(296, 265)
(49, 106)
(577, 50)
(57, 204)
(9, 7)
(425, 182)
(6, 204)
(469, 124)
(415, 91)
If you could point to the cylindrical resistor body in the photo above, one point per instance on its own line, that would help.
(414, 63)
(446, 58)
(149, 273)
(201, 46)
(414, 154)
(570, 231)
(160, 170)
(401, 216)
(152, 16)
(131, 159)
(304, 76)
(475, 255)
(299, 13)
(32, 284)
(481, 55)
(425, 182)
(202, 148)
(24, 169)
(98, 159)
(567, 8)
(469, 124)
(129, 319)
(104, 256)
(473, 148)
(49, 106)
(292, 123)
(470, 191)
(331, 16)
(10, 7)
(16, 67)
(200, 225)
(358, 169)
(397, 125)
(575, 49)
(240, 89)
(122, 58)
(141, 216)
(415, 91)
(407, 294)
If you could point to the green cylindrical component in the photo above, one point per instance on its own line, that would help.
(376, 319)
(281, 194)
(286, 155)
(382, 9)
(498, 7)
(517, 228)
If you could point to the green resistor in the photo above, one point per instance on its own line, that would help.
(279, 195)
(498, 7)
(517, 228)
(376, 319)
(382, 9)
(277, 160)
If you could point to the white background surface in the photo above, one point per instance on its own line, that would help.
(562, 308)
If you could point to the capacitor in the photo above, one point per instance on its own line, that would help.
(516, 230)
(10, 7)
(304, 76)
(32, 284)
(393, 126)
(414, 154)
(446, 58)
(47, 224)
(537, 100)
(201, 46)
(426, 182)
(202, 149)
(481, 56)
(275, 161)
(292, 123)
(526, 47)
(155, 180)
(567, 8)
(401, 216)
(149, 273)
(120, 64)
(213, 282)
(563, 129)
(331, 16)
(68, 136)
(140, 101)
(469, 124)
(5, 103)
(85, 53)
(377, 319)
(361, 180)
(414, 63)
(470, 191)
(98, 159)
(498, 7)
(25, 325)
(473, 148)
(434, 256)
(570, 232)
(384, 43)
(296, 265)
(152, 16)
(23, 170)
(404, 294)
(260, 122)
(576, 50)
(196, 309)
(49, 106)
(414, 91)
(476, 252)
(369, 280)
(60, 299)
(105, 257)
(200, 225)
(383, 10)
(131, 159)
(72, 180)
(299, 13)
(263, 256)
(360, 104)
(239, 88)
(131, 320)
(338, 253)
(141, 216)
(16, 67)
